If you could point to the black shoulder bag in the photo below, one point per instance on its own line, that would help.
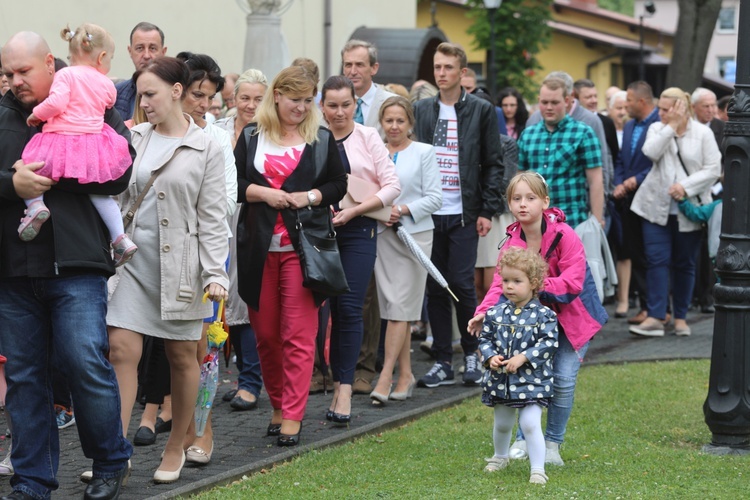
(318, 253)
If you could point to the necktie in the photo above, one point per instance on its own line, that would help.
(358, 113)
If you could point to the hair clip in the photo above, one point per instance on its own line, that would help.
(89, 36)
(69, 35)
(544, 181)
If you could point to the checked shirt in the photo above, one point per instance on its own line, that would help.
(562, 157)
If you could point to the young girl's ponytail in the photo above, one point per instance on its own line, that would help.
(85, 38)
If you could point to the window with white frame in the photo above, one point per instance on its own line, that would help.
(727, 22)
(726, 63)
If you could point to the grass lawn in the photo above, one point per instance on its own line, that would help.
(636, 432)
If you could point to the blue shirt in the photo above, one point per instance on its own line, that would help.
(638, 129)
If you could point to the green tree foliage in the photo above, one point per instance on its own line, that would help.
(626, 7)
(521, 32)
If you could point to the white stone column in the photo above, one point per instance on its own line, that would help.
(265, 45)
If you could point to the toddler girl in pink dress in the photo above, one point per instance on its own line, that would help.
(75, 142)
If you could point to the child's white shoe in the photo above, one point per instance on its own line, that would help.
(518, 450)
(495, 464)
(35, 215)
(124, 248)
(553, 454)
(538, 478)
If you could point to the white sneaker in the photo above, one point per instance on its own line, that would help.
(6, 468)
(495, 464)
(518, 450)
(553, 454)
(538, 478)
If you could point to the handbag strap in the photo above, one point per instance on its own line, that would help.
(684, 168)
(131, 213)
(331, 229)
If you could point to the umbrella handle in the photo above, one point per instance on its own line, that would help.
(221, 306)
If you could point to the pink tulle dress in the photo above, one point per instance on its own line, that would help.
(75, 142)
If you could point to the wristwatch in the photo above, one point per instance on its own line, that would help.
(311, 197)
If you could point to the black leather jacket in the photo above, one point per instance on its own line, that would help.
(480, 167)
(74, 240)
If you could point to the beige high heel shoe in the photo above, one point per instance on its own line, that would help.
(403, 396)
(168, 476)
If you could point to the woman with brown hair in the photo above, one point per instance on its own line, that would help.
(180, 224)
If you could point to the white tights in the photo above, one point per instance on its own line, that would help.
(530, 420)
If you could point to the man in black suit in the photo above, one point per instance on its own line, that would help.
(585, 91)
(705, 109)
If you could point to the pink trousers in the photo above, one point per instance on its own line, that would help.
(285, 327)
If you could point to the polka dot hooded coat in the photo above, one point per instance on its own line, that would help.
(508, 331)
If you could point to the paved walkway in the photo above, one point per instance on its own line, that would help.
(241, 447)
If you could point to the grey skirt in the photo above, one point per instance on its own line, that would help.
(400, 278)
(487, 248)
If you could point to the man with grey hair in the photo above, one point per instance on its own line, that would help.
(359, 60)
(53, 296)
(579, 113)
(705, 108)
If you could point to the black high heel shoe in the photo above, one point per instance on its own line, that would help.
(341, 418)
(288, 439)
(329, 415)
(273, 430)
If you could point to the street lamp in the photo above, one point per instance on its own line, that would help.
(649, 8)
(492, 6)
(727, 408)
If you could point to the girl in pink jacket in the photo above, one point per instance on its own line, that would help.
(569, 290)
(75, 142)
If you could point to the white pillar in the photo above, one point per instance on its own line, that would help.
(265, 46)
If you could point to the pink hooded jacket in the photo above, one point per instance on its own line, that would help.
(569, 289)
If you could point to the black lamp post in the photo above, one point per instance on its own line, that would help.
(648, 8)
(492, 6)
(727, 406)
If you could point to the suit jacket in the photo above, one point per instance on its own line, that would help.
(717, 127)
(372, 118)
(610, 133)
(636, 163)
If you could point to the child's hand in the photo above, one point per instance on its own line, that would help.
(475, 325)
(513, 364)
(32, 120)
(496, 362)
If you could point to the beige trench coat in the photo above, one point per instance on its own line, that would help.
(191, 207)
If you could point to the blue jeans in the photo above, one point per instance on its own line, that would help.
(357, 245)
(248, 362)
(669, 254)
(454, 253)
(565, 366)
(64, 319)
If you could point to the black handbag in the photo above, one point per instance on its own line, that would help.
(318, 252)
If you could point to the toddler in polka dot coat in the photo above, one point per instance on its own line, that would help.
(518, 342)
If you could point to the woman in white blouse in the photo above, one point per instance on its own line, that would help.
(399, 276)
(687, 162)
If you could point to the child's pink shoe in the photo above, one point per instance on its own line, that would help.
(124, 249)
(36, 214)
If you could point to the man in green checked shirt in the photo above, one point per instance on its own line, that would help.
(567, 153)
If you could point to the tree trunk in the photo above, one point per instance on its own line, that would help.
(695, 28)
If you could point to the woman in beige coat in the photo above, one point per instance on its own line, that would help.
(180, 225)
